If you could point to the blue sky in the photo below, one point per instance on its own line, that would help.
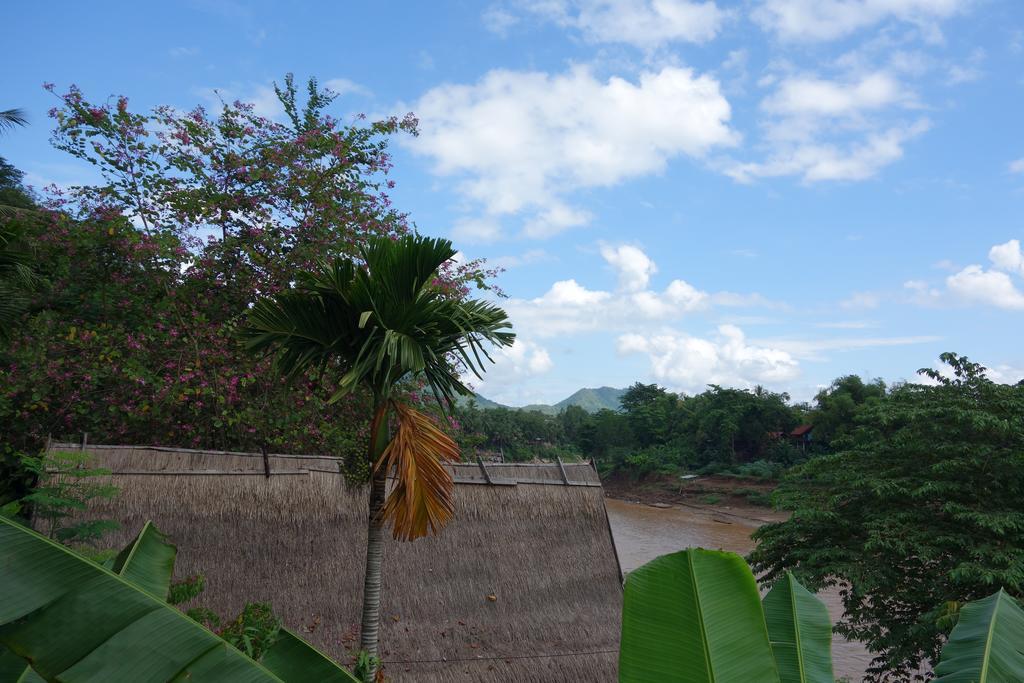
(768, 192)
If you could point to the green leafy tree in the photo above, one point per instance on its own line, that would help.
(377, 325)
(921, 508)
(200, 212)
(836, 407)
(652, 413)
(66, 484)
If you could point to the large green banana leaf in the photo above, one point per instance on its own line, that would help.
(74, 619)
(294, 660)
(694, 617)
(987, 644)
(148, 562)
(800, 632)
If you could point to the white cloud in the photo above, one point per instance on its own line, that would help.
(645, 24)
(861, 301)
(821, 20)
(812, 96)
(815, 349)
(179, 52)
(959, 73)
(527, 258)
(520, 141)
(1017, 166)
(833, 129)
(343, 86)
(512, 365)
(689, 363)
(847, 325)
(499, 20)
(632, 265)
(1008, 257)
(974, 284)
(922, 294)
(569, 308)
(555, 219)
(483, 229)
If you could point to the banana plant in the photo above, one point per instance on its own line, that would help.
(800, 632)
(695, 617)
(76, 621)
(987, 643)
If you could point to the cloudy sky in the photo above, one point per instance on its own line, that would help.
(768, 192)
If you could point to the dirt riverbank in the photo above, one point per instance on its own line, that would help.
(731, 496)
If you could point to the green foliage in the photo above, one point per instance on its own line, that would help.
(986, 643)
(694, 617)
(187, 589)
(77, 621)
(836, 407)
(656, 432)
(66, 484)
(760, 469)
(381, 322)
(131, 339)
(254, 630)
(366, 665)
(800, 631)
(921, 508)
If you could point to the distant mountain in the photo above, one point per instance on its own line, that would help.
(481, 402)
(591, 400)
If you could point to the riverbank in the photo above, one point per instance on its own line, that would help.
(730, 496)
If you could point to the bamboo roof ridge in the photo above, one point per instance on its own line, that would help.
(523, 585)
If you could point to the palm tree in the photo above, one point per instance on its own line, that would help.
(9, 118)
(17, 278)
(376, 326)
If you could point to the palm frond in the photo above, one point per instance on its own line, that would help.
(421, 501)
(381, 322)
(9, 118)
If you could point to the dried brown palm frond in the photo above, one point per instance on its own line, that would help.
(421, 501)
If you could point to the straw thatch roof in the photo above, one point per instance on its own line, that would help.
(523, 585)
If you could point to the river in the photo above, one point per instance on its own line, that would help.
(643, 532)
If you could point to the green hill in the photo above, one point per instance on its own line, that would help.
(591, 400)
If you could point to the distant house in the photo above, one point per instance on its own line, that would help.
(801, 435)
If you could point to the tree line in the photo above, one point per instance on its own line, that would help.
(657, 431)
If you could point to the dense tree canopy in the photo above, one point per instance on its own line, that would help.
(919, 511)
(655, 431)
(130, 335)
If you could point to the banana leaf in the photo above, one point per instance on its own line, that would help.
(13, 669)
(694, 617)
(148, 562)
(74, 619)
(294, 660)
(800, 632)
(987, 643)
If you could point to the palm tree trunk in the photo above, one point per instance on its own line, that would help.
(370, 628)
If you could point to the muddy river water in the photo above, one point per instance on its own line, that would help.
(643, 532)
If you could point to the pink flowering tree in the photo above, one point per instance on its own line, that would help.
(199, 214)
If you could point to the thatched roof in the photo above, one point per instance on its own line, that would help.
(541, 549)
